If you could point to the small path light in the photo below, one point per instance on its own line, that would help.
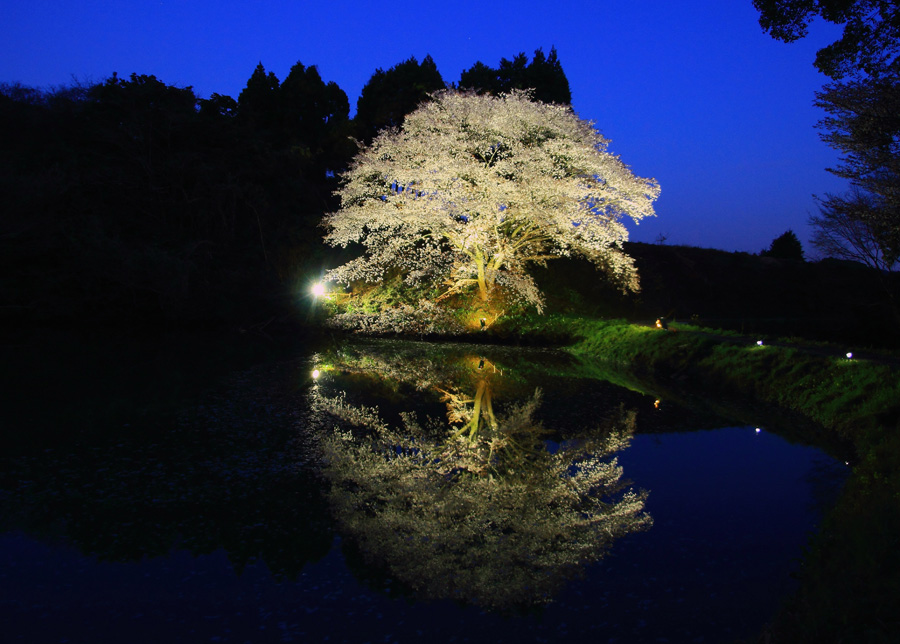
(849, 355)
(758, 430)
(759, 343)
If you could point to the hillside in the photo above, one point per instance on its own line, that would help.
(828, 300)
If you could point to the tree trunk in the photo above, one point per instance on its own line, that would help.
(482, 280)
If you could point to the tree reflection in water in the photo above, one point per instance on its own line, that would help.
(477, 508)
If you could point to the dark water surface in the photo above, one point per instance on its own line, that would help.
(278, 507)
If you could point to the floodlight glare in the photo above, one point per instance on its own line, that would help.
(318, 289)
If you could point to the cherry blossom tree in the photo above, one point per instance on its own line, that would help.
(474, 190)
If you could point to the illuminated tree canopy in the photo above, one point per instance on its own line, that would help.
(473, 190)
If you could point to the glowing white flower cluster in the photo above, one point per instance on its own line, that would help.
(474, 189)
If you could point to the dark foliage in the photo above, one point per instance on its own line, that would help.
(829, 300)
(869, 44)
(258, 101)
(390, 95)
(863, 123)
(133, 200)
(544, 75)
(786, 246)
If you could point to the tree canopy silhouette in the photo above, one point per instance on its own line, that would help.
(544, 75)
(786, 246)
(863, 123)
(388, 96)
(258, 101)
(134, 199)
(869, 44)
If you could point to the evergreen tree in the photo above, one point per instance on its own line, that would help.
(544, 76)
(258, 101)
(787, 246)
(390, 95)
(313, 119)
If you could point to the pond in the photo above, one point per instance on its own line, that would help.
(384, 491)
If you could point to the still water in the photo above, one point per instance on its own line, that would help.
(402, 492)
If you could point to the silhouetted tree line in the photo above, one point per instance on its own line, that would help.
(131, 199)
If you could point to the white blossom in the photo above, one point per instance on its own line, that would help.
(474, 189)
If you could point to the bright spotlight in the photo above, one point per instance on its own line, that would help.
(316, 374)
(318, 289)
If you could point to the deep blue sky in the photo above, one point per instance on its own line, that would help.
(692, 93)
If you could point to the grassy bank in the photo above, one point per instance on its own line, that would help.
(851, 575)
(857, 398)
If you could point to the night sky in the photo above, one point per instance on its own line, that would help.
(692, 93)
